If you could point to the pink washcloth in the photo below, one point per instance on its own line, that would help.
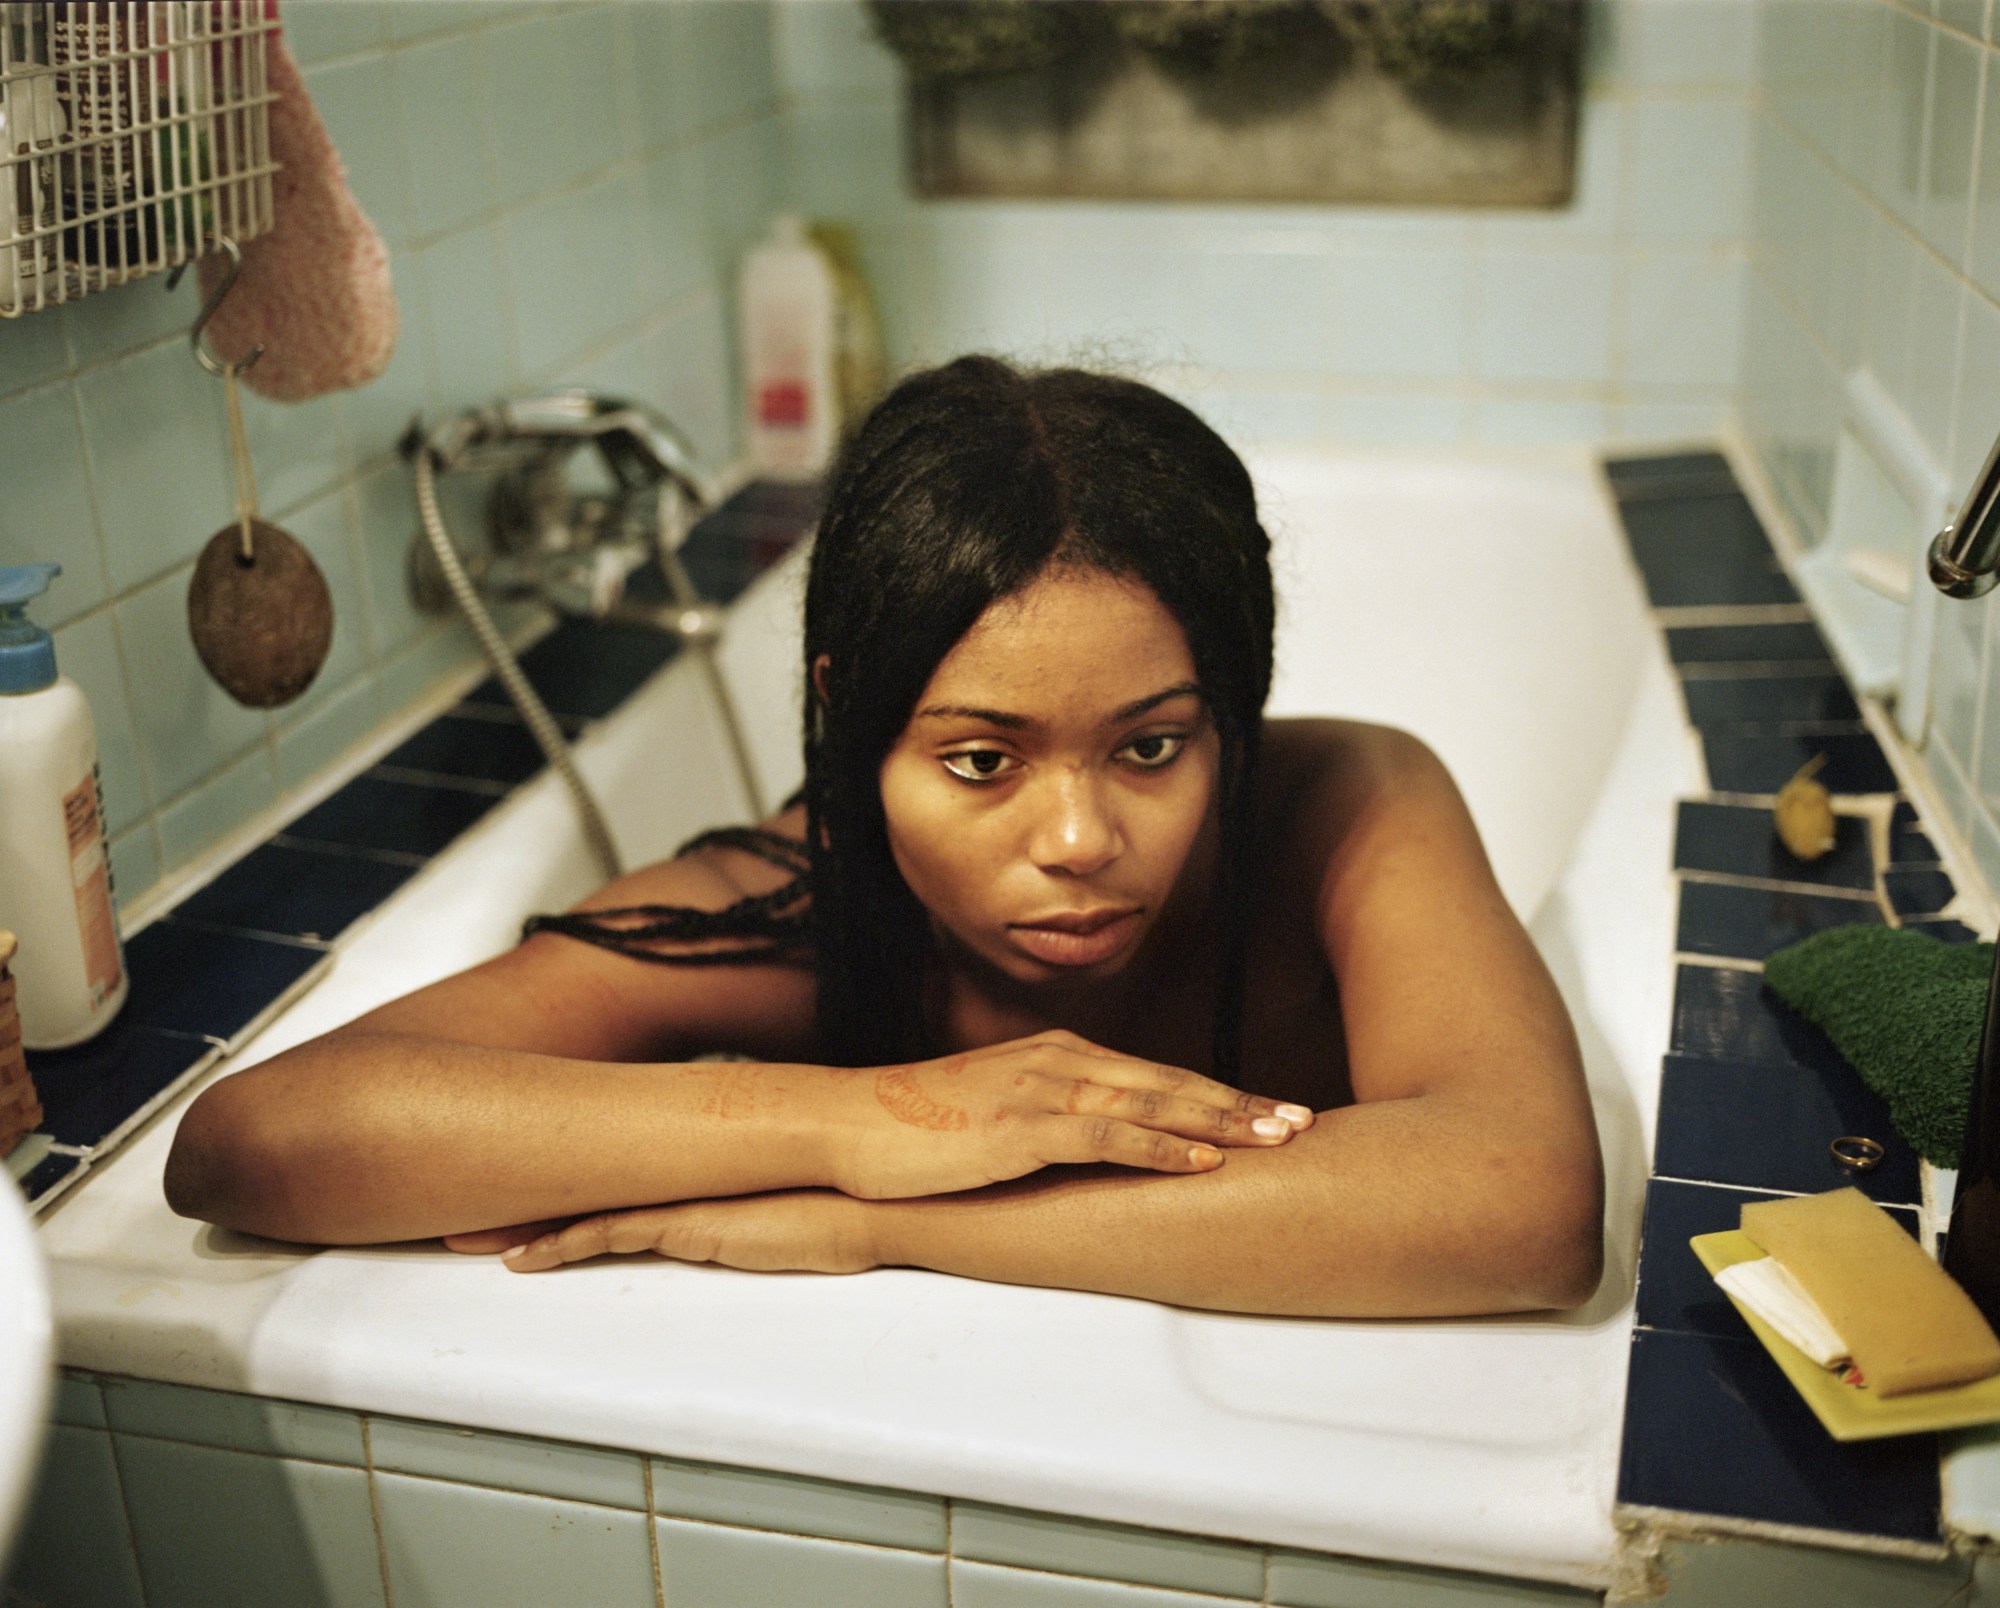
(315, 291)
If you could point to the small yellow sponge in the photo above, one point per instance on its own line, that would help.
(1906, 1322)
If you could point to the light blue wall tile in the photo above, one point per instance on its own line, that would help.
(324, 529)
(673, 229)
(697, 385)
(831, 49)
(759, 1499)
(1896, 174)
(1984, 256)
(1682, 44)
(230, 1421)
(154, 427)
(1258, 312)
(1659, 420)
(447, 653)
(379, 412)
(458, 1546)
(135, 863)
(471, 317)
(78, 1401)
(1314, 1580)
(319, 30)
(32, 349)
(297, 449)
(552, 81)
(573, 268)
(722, 68)
(510, 1462)
(218, 805)
(417, 19)
(1400, 419)
(1543, 315)
(113, 322)
(1690, 169)
(46, 513)
(188, 726)
(217, 1526)
(386, 507)
(709, 1566)
(846, 160)
(1958, 675)
(1730, 1572)
(74, 1546)
(1927, 385)
(311, 741)
(984, 1585)
(1683, 318)
(1968, 16)
(1976, 419)
(1401, 315)
(1111, 1551)
(87, 652)
(662, 114)
(442, 107)
(1950, 145)
(740, 166)
(1524, 420)
(356, 101)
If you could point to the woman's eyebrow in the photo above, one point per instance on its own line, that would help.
(1014, 722)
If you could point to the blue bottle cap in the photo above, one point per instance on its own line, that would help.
(27, 652)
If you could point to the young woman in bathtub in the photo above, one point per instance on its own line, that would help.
(1103, 982)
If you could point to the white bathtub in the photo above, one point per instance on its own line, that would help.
(1490, 608)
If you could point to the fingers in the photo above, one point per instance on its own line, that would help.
(1166, 1088)
(1241, 1122)
(1108, 1139)
(493, 1241)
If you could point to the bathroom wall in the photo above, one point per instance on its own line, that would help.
(1875, 244)
(563, 189)
(1616, 319)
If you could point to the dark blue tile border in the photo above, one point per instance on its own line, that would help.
(472, 748)
(394, 816)
(1713, 1427)
(292, 891)
(1742, 840)
(587, 670)
(46, 1174)
(1751, 1094)
(208, 983)
(1758, 1125)
(90, 1091)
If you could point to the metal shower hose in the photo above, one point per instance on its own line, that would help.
(541, 724)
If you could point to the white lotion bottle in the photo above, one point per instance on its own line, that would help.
(790, 308)
(55, 881)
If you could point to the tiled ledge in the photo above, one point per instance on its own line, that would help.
(154, 1492)
(213, 970)
(1716, 1441)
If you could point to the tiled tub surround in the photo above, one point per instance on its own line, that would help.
(563, 190)
(1485, 1446)
(1716, 1440)
(218, 966)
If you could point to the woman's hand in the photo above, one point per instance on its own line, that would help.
(793, 1230)
(964, 1121)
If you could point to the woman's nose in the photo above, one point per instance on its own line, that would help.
(1075, 833)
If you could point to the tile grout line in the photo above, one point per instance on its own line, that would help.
(375, 1507)
(653, 1533)
(124, 1502)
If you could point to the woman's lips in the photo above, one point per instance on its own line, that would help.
(1079, 940)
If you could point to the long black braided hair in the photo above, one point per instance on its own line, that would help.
(961, 487)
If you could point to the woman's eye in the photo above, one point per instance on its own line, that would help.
(979, 764)
(1155, 751)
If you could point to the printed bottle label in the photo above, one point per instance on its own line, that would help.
(90, 878)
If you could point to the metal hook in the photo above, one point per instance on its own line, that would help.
(215, 365)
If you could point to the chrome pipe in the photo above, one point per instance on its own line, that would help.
(1965, 557)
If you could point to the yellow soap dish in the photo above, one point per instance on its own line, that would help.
(1851, 1412)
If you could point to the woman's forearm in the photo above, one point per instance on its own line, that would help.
(364, 1137)
(1390, 1209)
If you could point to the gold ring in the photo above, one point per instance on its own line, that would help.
(1857, 1154)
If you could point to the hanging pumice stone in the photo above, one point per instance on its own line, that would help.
(1805, 813)
(262, 624)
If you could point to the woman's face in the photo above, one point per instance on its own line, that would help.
(1053, 782)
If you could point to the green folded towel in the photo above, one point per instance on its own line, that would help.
(1906, 1010)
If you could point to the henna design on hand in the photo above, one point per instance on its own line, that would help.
(904, 1098)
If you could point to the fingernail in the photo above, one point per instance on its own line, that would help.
(1204, 1155)
(1271, 1127)
(1296, 1113)
(515, 1254)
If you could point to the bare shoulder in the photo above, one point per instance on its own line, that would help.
(1320, 778)
(560, 994)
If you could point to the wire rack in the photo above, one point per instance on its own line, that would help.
(130, 136)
